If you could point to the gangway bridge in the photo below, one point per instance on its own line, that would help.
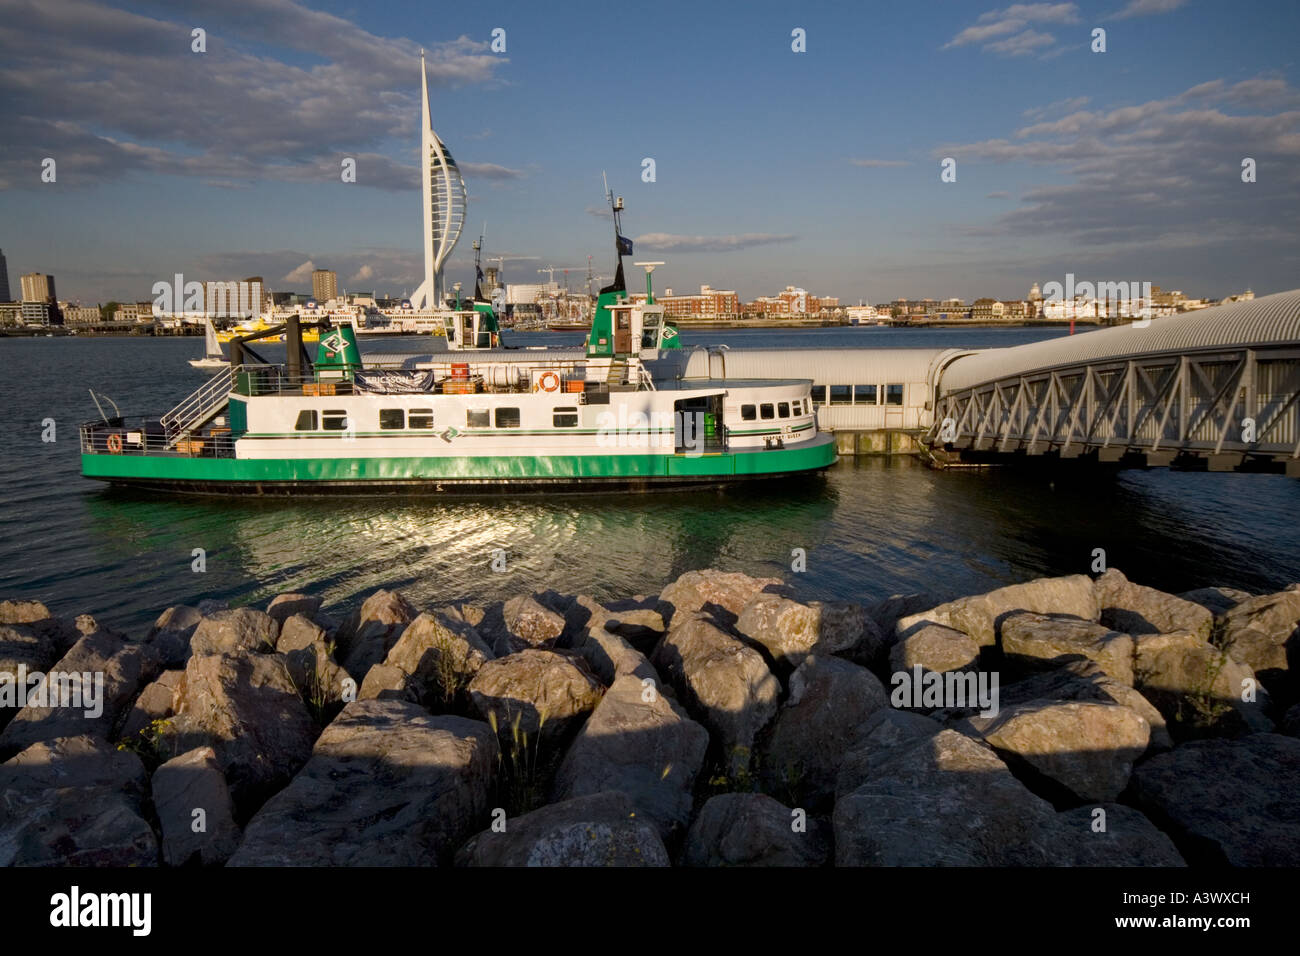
(1216, 390)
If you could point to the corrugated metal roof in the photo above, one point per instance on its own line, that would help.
(1268, 320)
(825, 366)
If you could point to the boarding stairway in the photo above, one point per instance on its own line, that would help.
(199, 408)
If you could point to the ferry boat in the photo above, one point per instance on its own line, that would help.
(478, 418)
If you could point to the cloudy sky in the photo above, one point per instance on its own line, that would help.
(772, 167)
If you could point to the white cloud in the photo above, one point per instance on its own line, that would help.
(666, 242)
(300, 274)
(1146, 8)
(1013, 26)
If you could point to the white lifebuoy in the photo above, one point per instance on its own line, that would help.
(549, 382)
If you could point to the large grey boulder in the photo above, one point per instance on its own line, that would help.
(1227, 801)
(155, 703)
(981, 615)
(1199, 688)
(1136, 609)
(790, 631)
(723, 594)
(752, 829)
(370, 633)
(640, 743)
(285, 606)
(432, 662)
(247, 709)
(547, 691)
(97, 680)
(886, 613)
(1120, 837)
(529, 624)
(74, 801)
(830, 702)
(194, 809)
(1087, 747)
(241, 630)
(1076, 680)
(602, 829)
(944, 800)
(638, 623)
(172, 633)
(1031, 641)
(933, 647)
(723, 684)
(387, 784)
(884, 730)
(1218, 601)
(1264, 633)
(611, 655)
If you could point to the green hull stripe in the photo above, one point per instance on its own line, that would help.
(815, 455)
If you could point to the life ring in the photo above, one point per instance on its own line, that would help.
(549, 382)
(115, 443)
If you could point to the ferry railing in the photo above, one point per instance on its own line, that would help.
(440, 378)
(201, 405)
(118, 436)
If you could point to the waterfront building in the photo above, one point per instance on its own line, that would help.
(38, 313)
(443, 193)
(38, 287)
(709, 303)
(324, 285)
(80, 315)
(4, 278)
(11, 313)
(986, 310)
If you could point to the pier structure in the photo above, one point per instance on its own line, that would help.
(1217, 389)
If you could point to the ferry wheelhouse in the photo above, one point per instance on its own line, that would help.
(477, 418)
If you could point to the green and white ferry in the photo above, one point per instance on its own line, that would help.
(478, 418)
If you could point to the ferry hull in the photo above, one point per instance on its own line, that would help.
(451, 475)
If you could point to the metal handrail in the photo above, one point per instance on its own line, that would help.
(134, 438)
(200, 405)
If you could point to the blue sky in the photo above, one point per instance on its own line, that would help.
(773, 167)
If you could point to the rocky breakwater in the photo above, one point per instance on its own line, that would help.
(723, 722)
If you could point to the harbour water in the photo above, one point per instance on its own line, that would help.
(868, 527)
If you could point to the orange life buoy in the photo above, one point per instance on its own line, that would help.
(549, 382)
(115, 443)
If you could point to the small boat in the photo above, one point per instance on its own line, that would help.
(213, 357)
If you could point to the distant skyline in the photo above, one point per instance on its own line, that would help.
(818, 169)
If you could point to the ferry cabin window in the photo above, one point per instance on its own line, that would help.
(334, 420)
(306, 420)
(392, 418)
(767, 411)
(864, 395)
(783, 409)
(507, 418)
(748, 413)
(893, 395)
(841, 395)
(819, 394)
(797, 408)
(478, 418)
(419, 418)
(565, 418)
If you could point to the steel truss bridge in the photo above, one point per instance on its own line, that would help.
(1217, 390)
